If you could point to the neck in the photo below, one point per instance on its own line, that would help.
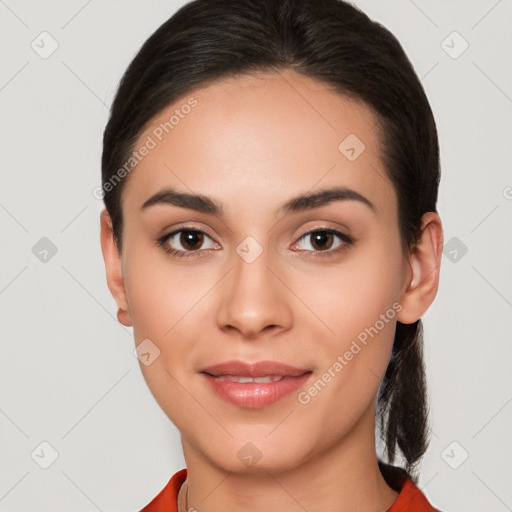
(344, 477)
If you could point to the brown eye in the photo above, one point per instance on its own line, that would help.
(186, 242)
(191, 240)
(324, 241)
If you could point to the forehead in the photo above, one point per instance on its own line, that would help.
(266, 134)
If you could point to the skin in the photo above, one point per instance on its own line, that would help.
(252, 143)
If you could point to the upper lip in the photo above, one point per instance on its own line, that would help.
(255, 369)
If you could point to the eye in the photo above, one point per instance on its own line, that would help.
(324, 241)
(183, 241)
(190, 242)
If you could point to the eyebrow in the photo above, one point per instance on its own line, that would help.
(297, 204)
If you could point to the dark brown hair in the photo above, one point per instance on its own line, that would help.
(331, 41)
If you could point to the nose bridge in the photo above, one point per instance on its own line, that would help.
(254, 298)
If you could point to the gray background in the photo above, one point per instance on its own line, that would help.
(68, 376)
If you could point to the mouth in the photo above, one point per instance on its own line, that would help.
(254, 385)
(244, 380)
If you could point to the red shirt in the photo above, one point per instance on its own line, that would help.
(410, 499)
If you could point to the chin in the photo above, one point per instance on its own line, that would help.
(255, 454)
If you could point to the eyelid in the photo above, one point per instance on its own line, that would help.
(186, 227)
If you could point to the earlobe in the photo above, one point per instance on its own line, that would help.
(424, 262)
(113, 267)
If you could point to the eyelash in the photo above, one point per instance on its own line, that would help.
(346, 240)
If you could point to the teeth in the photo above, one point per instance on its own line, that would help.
(243, 380)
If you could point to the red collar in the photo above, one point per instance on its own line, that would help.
(410, 499)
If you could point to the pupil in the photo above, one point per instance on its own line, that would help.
(190, 238)
(321, 237)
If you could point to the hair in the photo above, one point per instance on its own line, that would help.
(331, 41)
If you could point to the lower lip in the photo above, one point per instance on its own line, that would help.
(255, 395)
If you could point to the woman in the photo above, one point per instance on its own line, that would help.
(270, 171)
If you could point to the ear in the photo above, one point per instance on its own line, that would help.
(113, 267)
(423, 275)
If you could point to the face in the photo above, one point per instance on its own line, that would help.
(316, 285)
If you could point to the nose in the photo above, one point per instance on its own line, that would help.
(253, 299)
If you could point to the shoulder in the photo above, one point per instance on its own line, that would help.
(410, 498)
(166, 500)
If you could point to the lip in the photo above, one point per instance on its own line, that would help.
(254, 395)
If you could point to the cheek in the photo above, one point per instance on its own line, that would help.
(353, 296)
(160, 294)
(360, 306)
(168, 304)
(161, 300)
